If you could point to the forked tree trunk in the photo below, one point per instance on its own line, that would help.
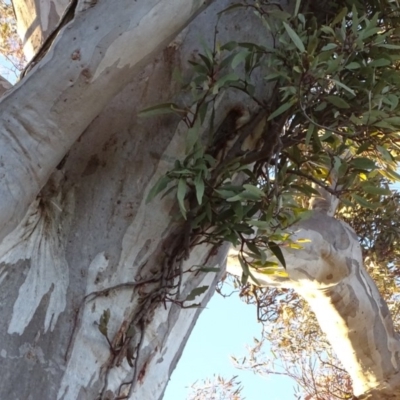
(90, 227)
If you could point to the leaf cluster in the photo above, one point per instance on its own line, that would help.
(332, 122)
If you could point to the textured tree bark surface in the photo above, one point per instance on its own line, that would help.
(90, 227)
(328, 272)
(88, 57)
(69, 131)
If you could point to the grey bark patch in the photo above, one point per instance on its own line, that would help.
(349, 264)
(352, 301)
(329, 228)
(143, 251)
(92, 165)
(335, 297)
(383, 308)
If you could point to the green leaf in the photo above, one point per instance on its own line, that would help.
(276, 250)
(297, 7)
(131, 331)
(363, 163)
(232, 77)
(393, 120)
(337, 101)
(295, 38)
(181, 194)
(389, 46)
(342, 85)
(390, 174)
(208, 269)
(329, 46)
(192, 135)
(103, 323)
(160, 185)
(254, 190)
(368, 188)
(225, 194)
(196, 292)
(229, 46)
(245, 269)
(271, 77)
(364, 203)
(309, 134)
(353, 65)
(253, 248)
(199, 185)
(339, 17)
(280, 110)
(240, 57)
(381, 62)
(385, 153)
(159, 109)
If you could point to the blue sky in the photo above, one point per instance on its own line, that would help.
(223, 329)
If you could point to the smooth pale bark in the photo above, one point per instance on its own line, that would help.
(328, 272)
(4, 85)
(90, 227)
(88, 64)
(35, 21)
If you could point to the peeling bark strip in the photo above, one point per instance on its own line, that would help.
(37, 131)
(40, 238)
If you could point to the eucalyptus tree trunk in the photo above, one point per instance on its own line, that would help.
(328, 272)
(91, 275)
(93, 279)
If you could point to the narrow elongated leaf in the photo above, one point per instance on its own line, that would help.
(353, 65)
(180, 194)
(160, 185)
(192, 135)
(363, 163)
(345, 87)
(297, 7)
(364, 203)
(337, 101)
(276, 250)
(199, 185)
(280, 110)
(254, 190)
(339, 17)
(368, 188)
(245, 269)
(385, 153)
(232, 77)
(165, 108)
(208, 269)
(240, 57)
(390, 174)
(196, 292)
(295, 37)
(329, 46)
(389, 46)
(381, 62)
